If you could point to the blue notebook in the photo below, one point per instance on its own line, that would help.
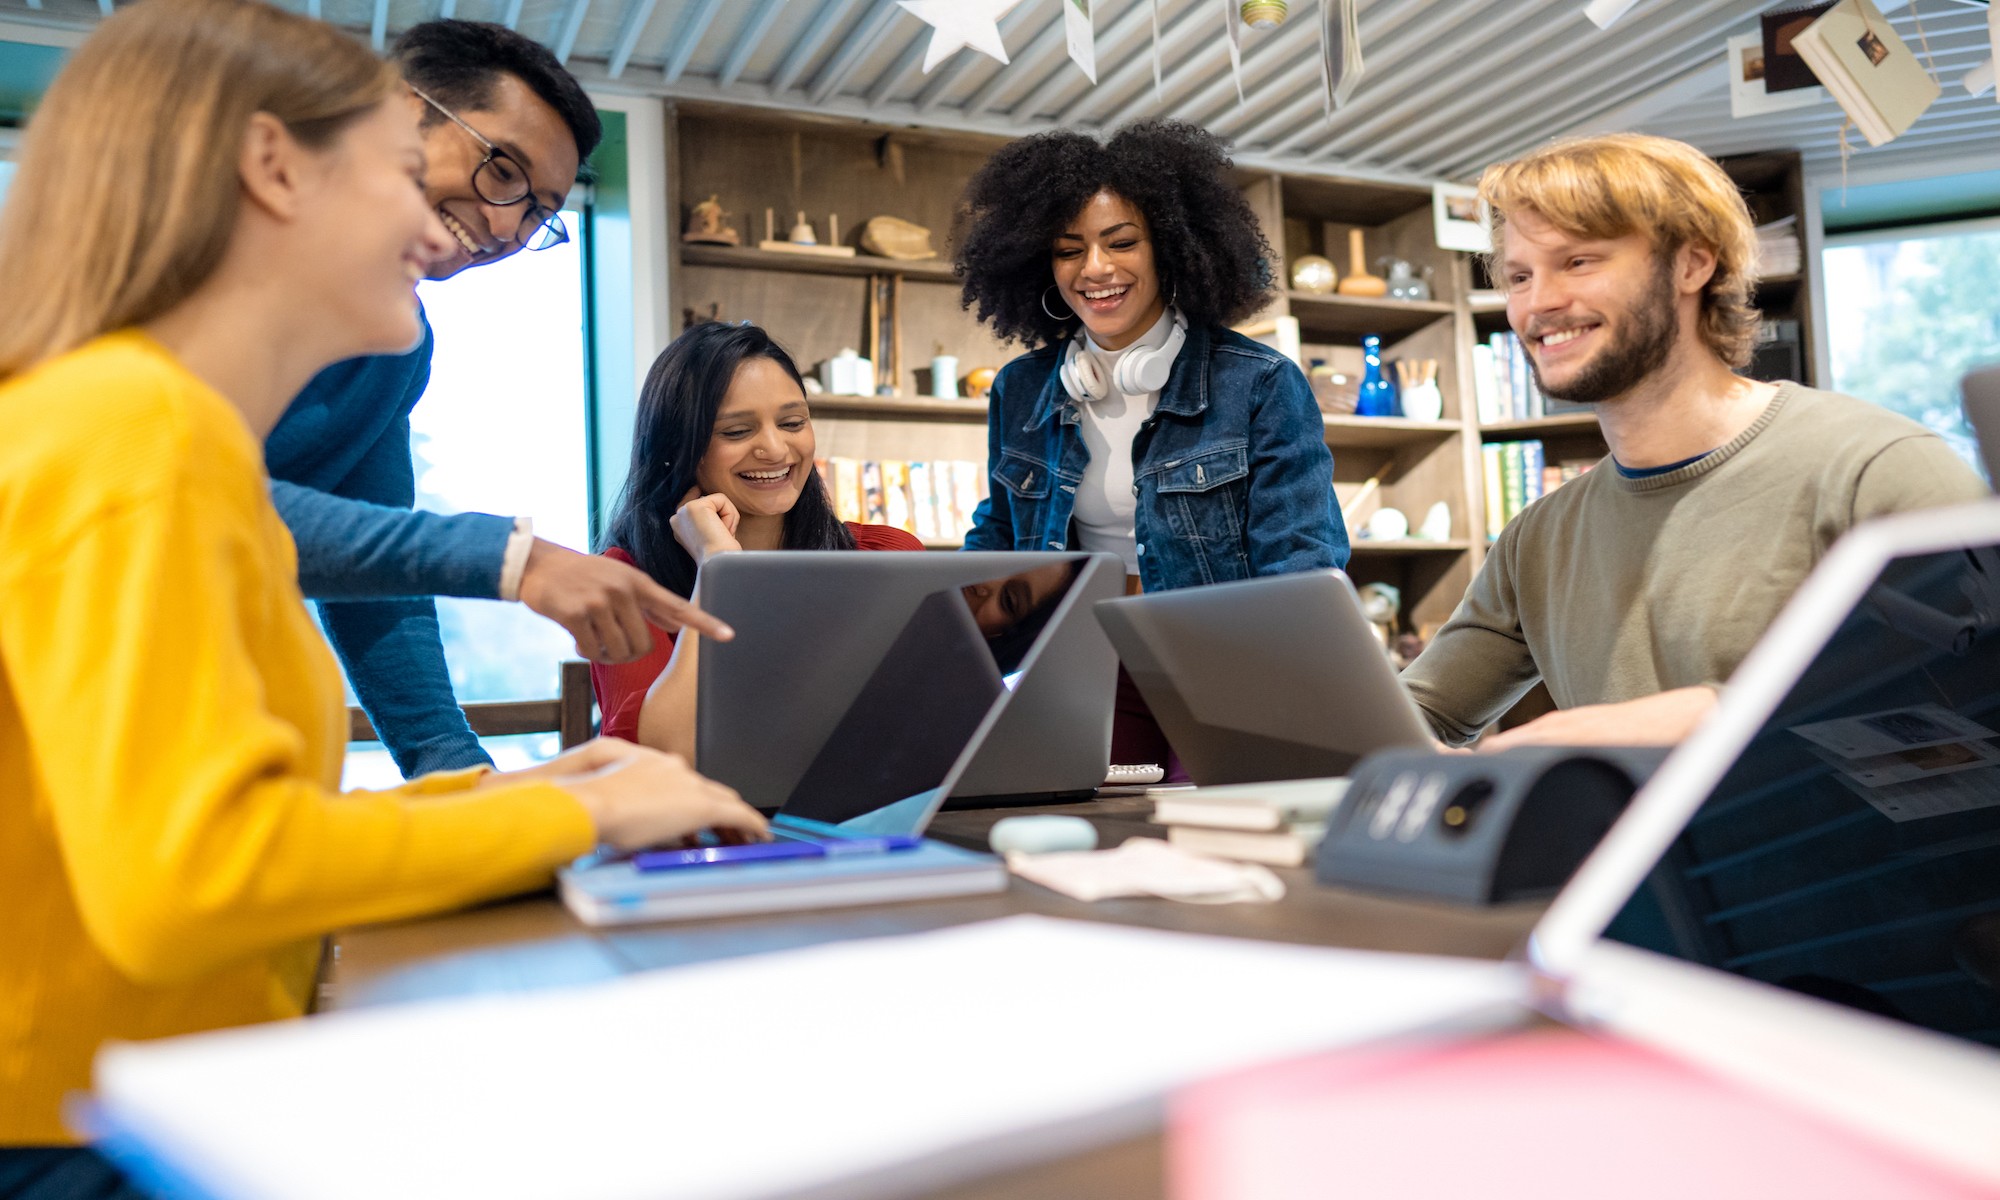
(618, 893)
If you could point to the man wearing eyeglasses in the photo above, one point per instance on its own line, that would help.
(505, 127)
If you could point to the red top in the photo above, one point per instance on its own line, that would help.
(621, 689)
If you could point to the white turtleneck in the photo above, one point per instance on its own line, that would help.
(1104, 499)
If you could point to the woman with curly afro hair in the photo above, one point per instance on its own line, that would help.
(1138, 422)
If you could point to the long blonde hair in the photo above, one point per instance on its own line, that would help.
(127, 191)
(1626, 183)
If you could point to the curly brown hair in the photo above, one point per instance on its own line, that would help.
(1210, 252)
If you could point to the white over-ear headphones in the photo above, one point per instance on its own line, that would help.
(1140, 370)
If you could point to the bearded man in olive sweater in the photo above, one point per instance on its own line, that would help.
(1635, 590)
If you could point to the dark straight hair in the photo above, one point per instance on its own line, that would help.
(677, 406)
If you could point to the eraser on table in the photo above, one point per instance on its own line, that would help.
(1042, 834)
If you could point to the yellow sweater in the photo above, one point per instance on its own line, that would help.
(172, 846)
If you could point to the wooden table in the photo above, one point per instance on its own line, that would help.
(534, 943)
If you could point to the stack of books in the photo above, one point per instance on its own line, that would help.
(1518, 474)
(1778, 248)
(933, 500)
(1278, 824)
(1503, 387)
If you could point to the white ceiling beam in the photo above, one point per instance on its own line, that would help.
(1410, 46)
(909, 60)
(1297, 76)
(1138, 20)
(44, 31)
(1497, 132)
(857, 46)
(1637, 63)
(571, 26)
(1191, 23)
(1383, 42)
(378, 26)
(1052, 37)
(748, 40)
(1461, 67)
(809, 42)
(689, 37)
(630, 26)
(897, 116)
(1261, 55)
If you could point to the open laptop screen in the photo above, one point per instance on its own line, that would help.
(1853, 850)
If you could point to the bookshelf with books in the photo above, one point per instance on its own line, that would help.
(1773, 186)
(900, 313)
(1410, 464)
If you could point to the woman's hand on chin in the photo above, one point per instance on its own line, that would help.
(705, 525)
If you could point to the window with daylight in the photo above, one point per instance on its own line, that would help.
(502, 429)
(1909, 311)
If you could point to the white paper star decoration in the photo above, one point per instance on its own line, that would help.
(960, 24)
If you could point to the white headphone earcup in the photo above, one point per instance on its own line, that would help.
(1143, 370)
(1081, 376)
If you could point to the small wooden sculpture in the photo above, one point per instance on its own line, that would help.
(708, 223)
(1359, 282)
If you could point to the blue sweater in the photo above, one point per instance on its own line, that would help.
(342, 478)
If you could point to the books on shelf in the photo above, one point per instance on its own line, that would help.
(1870, 71)
(1778, 248)
(1504, 387)
(1279, 824)
(1517, 474)
(933, 500)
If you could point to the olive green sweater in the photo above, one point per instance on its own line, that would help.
(1612, 588)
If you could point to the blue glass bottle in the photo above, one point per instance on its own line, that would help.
(1378, 395)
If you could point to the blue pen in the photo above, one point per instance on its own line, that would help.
(871, 845)
(666, 860)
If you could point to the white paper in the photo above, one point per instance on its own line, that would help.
(1892, 730)
(1082, 40)
(1145, 866)
(1747, 97)
(1908, 766)
(766, 1075)
(1933, 797)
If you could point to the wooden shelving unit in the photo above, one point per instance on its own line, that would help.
(818, 306)
(749, 258)
(1388, 431)
(899, 406)
(1540, 427)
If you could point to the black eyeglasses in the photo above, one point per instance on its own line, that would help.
(500, 180)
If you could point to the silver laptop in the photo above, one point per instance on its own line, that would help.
(1981, 391)
(848, 696)
(1795, 901)
(1275, 678)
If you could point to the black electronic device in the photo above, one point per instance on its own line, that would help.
(1480, 828)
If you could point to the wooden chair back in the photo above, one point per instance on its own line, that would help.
(567, 716)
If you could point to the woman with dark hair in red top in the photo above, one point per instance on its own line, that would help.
(722, 459)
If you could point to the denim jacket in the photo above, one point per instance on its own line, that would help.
(1231, 471)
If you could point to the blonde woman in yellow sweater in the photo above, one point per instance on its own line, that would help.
(215, 200)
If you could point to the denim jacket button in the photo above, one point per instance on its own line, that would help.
(1142, 548)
